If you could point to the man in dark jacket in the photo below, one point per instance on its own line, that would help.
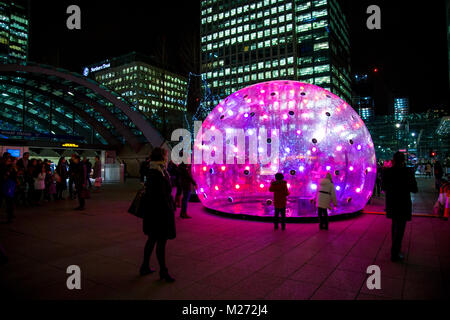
(398, 183)
(80, 180)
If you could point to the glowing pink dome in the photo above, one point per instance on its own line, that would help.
(318, 133)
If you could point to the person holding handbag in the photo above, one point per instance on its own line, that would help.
(158, 213)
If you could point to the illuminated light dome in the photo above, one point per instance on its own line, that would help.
(318, 133)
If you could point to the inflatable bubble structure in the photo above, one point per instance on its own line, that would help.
(317, 133)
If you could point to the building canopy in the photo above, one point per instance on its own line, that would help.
(43, 102)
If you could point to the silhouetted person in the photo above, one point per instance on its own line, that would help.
(159, 213)
(186, 182)
(97, 173)
(326, 194)
(80, 180)
(23, 162)
(398, 183)
(61, 178)
(72, 170)
(88, 165)
(280, 193)
(438, 174)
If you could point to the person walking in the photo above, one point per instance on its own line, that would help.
(97, 174)
(326, 195)
(280, 193)
(379, 177)
(61, 178)
(80, 180)
(398, 183)
(159, 213)
(88, 165)
(186, 182)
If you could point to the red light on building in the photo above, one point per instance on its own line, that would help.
(375, 70)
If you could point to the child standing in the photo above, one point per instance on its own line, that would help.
(325, 195)
(280, 193)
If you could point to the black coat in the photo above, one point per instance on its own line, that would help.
(159, 206)
(398, 183)
(80, 175)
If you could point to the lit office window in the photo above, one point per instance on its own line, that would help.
(304, 27)
(322, 80)
(322, 68)
(321, 46)
(306, 71)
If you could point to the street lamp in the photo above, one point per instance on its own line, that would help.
(397, 125)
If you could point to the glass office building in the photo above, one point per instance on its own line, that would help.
(157, 92)
(401, 108)
(14, 29)
(245, 42)
(365, 106)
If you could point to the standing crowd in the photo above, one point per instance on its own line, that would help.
(32, 182)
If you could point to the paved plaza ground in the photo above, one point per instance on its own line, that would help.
(215, 257)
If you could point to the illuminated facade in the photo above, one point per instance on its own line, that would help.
(245, 42)
(365, 107)
(153, 90)
(401, 108)
(14, 27)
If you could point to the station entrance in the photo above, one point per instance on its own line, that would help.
(112, 170)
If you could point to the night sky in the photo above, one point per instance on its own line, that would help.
(410, 50)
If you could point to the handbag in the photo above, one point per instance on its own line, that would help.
(136, 207)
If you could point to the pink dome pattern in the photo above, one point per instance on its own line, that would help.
(318, 133)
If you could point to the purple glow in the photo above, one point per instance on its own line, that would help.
(318, 133)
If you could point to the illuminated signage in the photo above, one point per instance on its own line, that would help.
(70, 145)
(102, 66)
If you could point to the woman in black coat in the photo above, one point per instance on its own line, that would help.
(398, 183)
(159, 213)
